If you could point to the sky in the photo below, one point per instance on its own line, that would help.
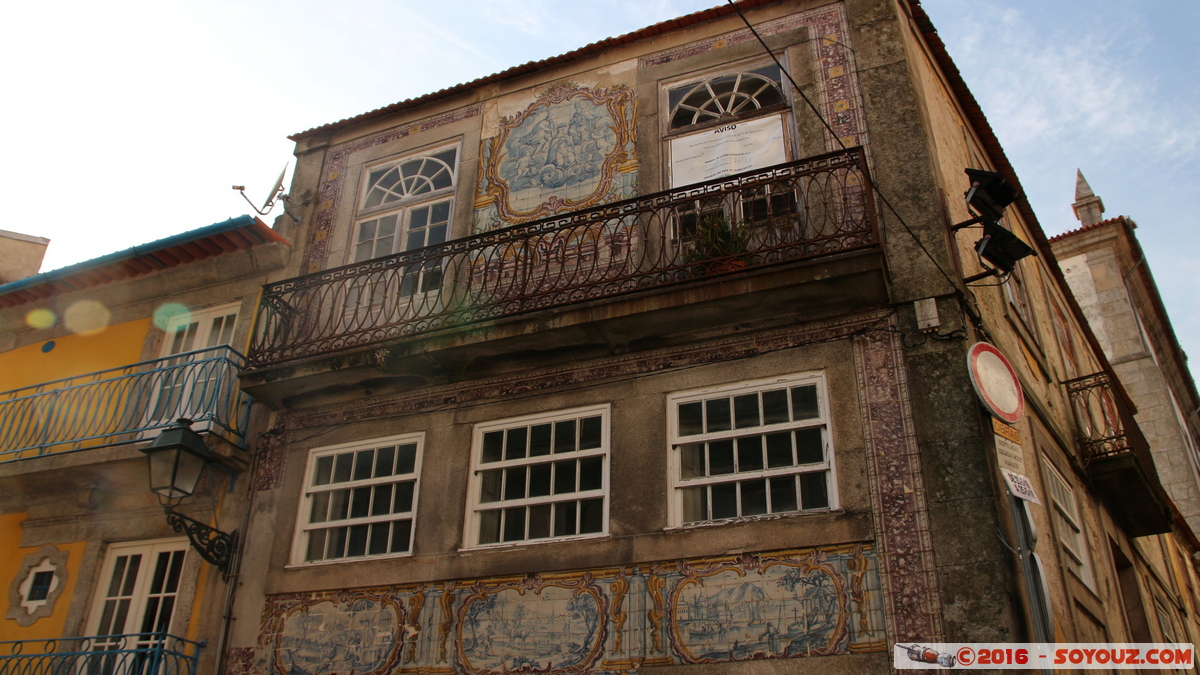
(129, 120)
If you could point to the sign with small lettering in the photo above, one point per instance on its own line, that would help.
(727, 150)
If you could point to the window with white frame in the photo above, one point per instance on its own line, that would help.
(724, 96)
(540, 477)
(751, 449)
(360, 500)
(1067, 524)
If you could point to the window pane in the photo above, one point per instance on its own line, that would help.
(341, 467)
(779, 450)
(750, 453)
(539, 521)
(564, 519)
(406, 459)
(490, 482)
(783, 494)
(724, 501)
(591, 473)
(385, 462)
(564, 477)
(745, 410)
(335, 543)
(804, 402)
(489, 527)
(564, 436)
(363, 464)
(493, 446)
(324, 471)
(358, 541)
(813, 492)
(404, 497)
(691, 419)
(718, 415)
(514, 483)
(754, 497)
(381, 505)
(361, 506)
(809, 447)
(514, 447)
(379, 538)
(320, 507)
(539, 440)
(339, 504)
(695, 504)
(539, 480)
(720, 458)
(316, 546)
(775, 407)
(691, 460)
(591, 515)
(514, 524)
(589, 433)
(401, 536)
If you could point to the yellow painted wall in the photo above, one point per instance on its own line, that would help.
(11, 558)
(115, 346)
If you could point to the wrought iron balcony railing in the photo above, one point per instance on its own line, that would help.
(1106, 427)
(805, 209)
(125, 405)
(136, 654)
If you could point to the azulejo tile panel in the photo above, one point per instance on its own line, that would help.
(785, 604)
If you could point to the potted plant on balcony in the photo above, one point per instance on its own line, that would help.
(719, 245)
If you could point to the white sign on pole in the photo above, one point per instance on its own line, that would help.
(1020, 486)
(727, 150)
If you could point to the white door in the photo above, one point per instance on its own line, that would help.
(183, 388)
(136, 595)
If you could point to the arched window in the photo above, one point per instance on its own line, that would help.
(727, 96)
(410, 178)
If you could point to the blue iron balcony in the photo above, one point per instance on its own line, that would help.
(126, 405)
(136, 654)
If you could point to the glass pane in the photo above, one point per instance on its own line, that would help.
(783, 494)
(589, 433)
(539, 521)
(339, 504)
(754, 497)
(718, 415)
(695, 504)
(809, 446)
(381, 505)
(316, 546)
(490, 486)
(406, 459)
(720, 457)
(804, 402)
(564, 436)
(441, 210)
(341, 467)
(379, 538)
(591, 473)
(363, 464)
(401, 536)
(691, 460)
(320, 507)
(324, 471)
(775, 406)
(514, 447)
(814, 494)
(361, 506)
(539, 440)
(358, 541)
(514, 483)
(539, 480)
(493, 446)
(724, 501)
(335, 543)
(489, 527)
(514, 524)
(691, 419)
(745, 411)
(564, 519)
(591, 515)
(385, 462)
(750, 453)
(779, 450)
(564, 477)
(404, 497)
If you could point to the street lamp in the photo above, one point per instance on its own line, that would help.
(177, 456)
(987, 200)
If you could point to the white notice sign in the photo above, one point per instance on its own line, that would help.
(727, 150)
(1020, 486)
(1008, 447)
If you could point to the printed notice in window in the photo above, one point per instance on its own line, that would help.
(727, 150)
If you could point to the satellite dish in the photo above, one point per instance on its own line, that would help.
(275, 190)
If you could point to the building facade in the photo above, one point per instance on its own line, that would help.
(97, 359)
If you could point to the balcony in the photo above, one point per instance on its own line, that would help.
(658, 252)
(1117, 457)
(137, 654)
(126, 405)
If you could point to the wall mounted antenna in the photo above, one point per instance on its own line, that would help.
(274, 195)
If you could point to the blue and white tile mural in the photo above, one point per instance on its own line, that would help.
(614, 620)
(572, 148)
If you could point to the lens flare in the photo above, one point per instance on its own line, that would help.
(40, 318)
(167, 312)
(86, 317)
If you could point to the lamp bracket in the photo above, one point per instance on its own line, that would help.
(213, 545)
(966, 223)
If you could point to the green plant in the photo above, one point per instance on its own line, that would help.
(716, 237)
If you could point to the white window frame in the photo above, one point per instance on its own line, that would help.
(476, 507)
(677, 484)
(310, 492)
(1068, 524)
(141, 592)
